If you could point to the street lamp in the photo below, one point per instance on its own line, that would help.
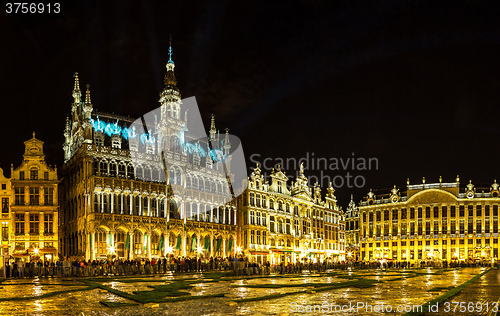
(112, 249)
(169, 249)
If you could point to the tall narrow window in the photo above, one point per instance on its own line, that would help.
(48, 195)
(5, 231)
(34, 195)
(48, 223)
(33, 174)
(19, 224)
(21, 175)
(19, 196)
(5, 205)
(34, 224)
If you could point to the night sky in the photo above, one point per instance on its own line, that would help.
(415, 85)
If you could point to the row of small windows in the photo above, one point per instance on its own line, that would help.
(34, 223)
(446, 227)
(435, 212)
(113, 169)
(152, 206)
(202, 184)
(34, 196)
(34, 175)
(258, 200)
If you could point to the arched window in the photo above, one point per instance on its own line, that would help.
(112, 169)
(271, 204)
(155, 176)
(130, 171)
(175, 145)
(139, 173)
(121, 170)
(138, 242)
(174, 209)
(103, 167)
(178, 175)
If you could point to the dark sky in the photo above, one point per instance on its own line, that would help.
(415, 85)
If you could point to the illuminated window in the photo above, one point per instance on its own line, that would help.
(34, 224)
(34, 195)
(33, 174)
(19, 221)
(48, 223)
(5, 205)
(5, 230)
(48, 195)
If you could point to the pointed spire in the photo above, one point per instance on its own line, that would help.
(227, 143)
(76, 89)
(213, 130)
(170, 81)
(77, 82)
(87, 97)
(33, 134)
(170, 51)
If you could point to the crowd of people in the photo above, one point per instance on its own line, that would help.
(237, 265)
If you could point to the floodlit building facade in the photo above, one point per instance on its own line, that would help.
(352, 231)
(5, 197)
(116, 199)
(33, 218)
(283, 223)
(431, 222)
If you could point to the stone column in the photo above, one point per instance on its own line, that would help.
(131, 202)
(149, 245)
(224, 247)
(211, 245)
(92, 245)
(167, 243)
(184, 242)
(140, 205)
(131, 246)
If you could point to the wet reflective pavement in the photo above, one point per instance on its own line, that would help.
(358, 292)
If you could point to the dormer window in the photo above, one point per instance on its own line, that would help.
(280, 187)
(99, 139)
(116, 142)
(150, 149)
(33, 174)
(133, 145)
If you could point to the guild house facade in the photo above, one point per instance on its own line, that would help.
(431, 222)
(32, 221)
(118, 199)
(283, 223)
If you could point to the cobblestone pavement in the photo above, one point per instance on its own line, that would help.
(479, 298)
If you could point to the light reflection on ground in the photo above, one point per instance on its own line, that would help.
(393, 290)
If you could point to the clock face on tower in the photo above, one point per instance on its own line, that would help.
(394, 199)
(470, 194)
